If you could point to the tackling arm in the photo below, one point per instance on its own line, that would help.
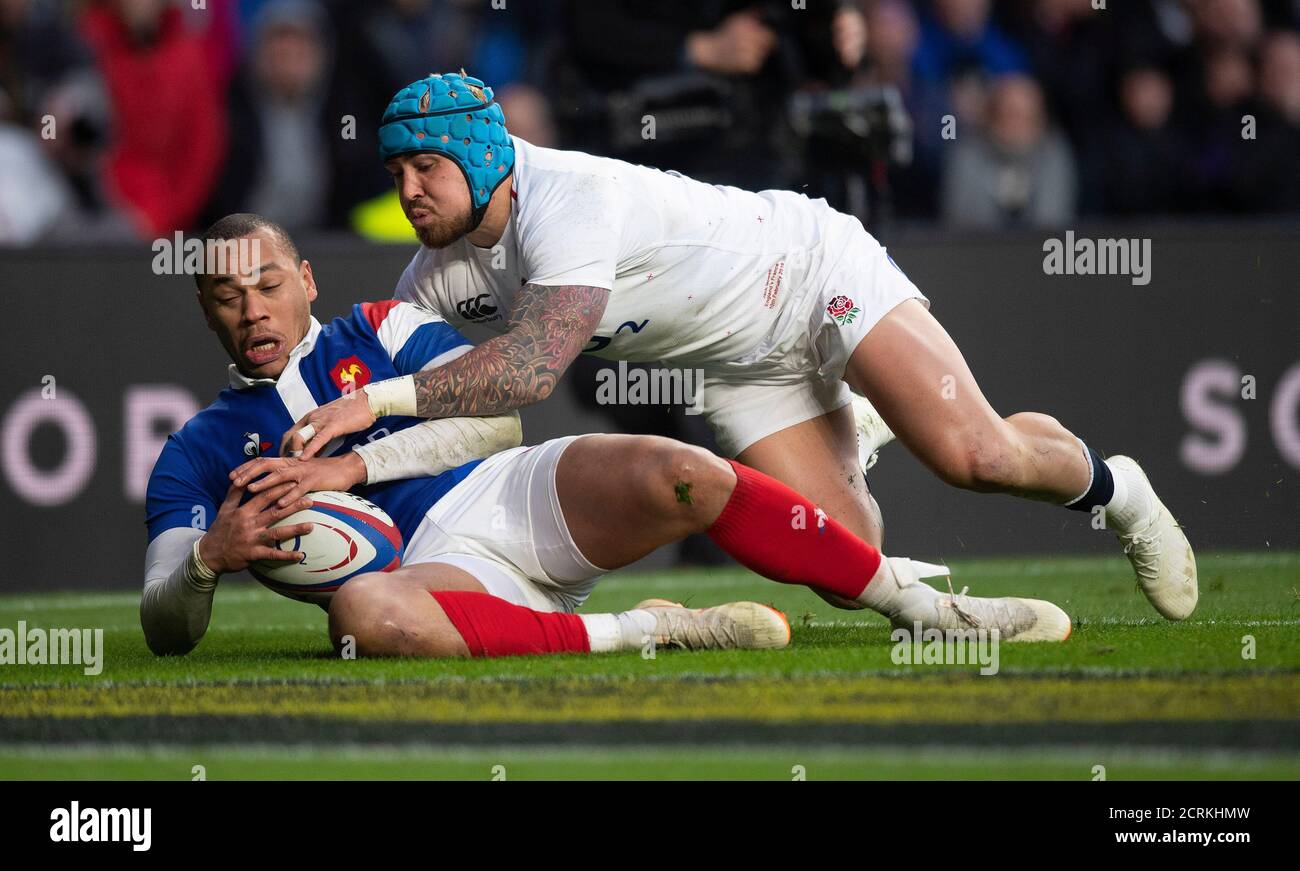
(548, 329)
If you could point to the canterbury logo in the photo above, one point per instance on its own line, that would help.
(424, 101)
(477, 308)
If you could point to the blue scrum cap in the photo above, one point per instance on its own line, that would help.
(453, 115)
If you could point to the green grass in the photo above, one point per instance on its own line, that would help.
(267, 659)
(256, 635)
(635, 763)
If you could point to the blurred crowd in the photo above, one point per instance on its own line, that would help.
(130, 119)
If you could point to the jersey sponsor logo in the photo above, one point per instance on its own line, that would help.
(350, 374)
(842, 310)
(254, 446)
(477, 309)
(600, 343)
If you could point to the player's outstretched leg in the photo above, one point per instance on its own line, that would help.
(915, 375)
(437, 610)
(624, 496)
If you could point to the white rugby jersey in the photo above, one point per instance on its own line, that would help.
(701, 275)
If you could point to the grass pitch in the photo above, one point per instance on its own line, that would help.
(1217, 696)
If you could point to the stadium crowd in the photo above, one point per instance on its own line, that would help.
(130, 119)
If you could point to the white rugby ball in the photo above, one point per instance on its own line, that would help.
(349, 536)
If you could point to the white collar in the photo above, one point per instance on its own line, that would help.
(240, 381)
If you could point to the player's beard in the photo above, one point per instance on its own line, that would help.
(441, 233)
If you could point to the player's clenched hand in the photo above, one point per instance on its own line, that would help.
(345, 415)
(319, 473)
(242, 534)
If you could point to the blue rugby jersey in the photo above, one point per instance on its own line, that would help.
(376, 341)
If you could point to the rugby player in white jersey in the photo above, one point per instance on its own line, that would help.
(788, 307)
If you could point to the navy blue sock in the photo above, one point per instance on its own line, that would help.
(1103, 485)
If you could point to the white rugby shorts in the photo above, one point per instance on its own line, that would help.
(503, 525)
(798, 374)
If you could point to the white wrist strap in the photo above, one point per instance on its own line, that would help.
(198, 569)
(395, 396)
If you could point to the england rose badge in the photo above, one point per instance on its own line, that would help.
(842, 309)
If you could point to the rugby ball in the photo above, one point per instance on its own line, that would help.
(350, 536)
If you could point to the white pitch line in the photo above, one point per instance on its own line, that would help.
(112, 600)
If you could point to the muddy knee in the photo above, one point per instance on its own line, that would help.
(683, 482)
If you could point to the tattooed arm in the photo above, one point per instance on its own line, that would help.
(549, 326)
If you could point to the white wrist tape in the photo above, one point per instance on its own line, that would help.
(395, 396)
(434, 446)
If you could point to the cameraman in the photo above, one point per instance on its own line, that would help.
(715, 75)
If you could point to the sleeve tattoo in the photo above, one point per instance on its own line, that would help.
(548, 328)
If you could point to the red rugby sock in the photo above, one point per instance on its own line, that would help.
(495, 627)
(763, 530)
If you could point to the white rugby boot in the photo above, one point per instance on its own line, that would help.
(1160, 553)
(733, 626)
(902, 596)
(873, 432)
